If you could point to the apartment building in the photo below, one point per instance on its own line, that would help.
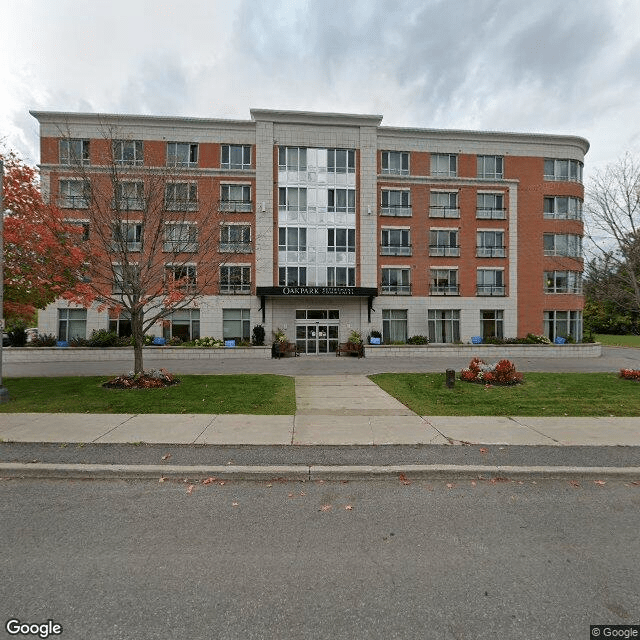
(343, 224)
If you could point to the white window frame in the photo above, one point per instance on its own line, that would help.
(444, 165)
(495, 212)
(243, 284)
(492, 249)
(235, 237)
(129, 196)
(439, 248)
(69, 322)
(341, 161)
(490, 167)
(69, 198)
(443, 323)
(399, 284)
(443, 281)
(182, 154)
(238, 157)
(176, 201)
(292, 238)
(553, 206)
(127, 236)
(292, 276)
(395, 163)
(395, 241)
(443, 203)
(128, 152)
(292, 159)
(341, 276)
(235, 197)
(572, 245)
(74, 151)
(180, 237)
(490, 282)
(396, 203)
(191, 275)
(229, 329)
(553, 282)
(336, 244)
(563, 169)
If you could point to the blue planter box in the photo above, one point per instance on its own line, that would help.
(374, 340)
(160, 342)
(62, 343)
(229, 343)
(476, 340)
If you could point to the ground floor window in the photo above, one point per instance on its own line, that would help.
(121, 325)
(492, 323)
(444, 325)
(236, 324)
(394, 325)
(72, 323)
(563, 324)
(183, 324)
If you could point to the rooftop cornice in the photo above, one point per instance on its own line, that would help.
(316, 118)
(482, 136)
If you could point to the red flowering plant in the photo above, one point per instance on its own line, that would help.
(501, 373)
(630, 374)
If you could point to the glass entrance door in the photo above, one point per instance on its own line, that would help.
(317, 338)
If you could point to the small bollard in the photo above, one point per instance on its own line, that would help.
(450, 378)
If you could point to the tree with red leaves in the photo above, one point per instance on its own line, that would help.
(42, 258)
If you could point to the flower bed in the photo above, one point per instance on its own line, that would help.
(501, 373)
(630, 374)
(151, 379)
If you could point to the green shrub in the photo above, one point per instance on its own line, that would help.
(18, 334)
(77, 341)
(103, 338)
(258, 335)
(418, 340)
(44, 340)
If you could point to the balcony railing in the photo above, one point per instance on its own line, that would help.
(181, 205)
(397, 211)
(397, 289)
(131, 246)
(491, 252)
(236, 206)
(490, 290)
(395, 250)
(444, 290)
(491, 214)
(444, 212)
(235, 247)
(235, 288)
(179, 246)
(128, 204)
(73, 202)
(443, 250)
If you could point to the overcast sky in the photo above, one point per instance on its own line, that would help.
(550, 66)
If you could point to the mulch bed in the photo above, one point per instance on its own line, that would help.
(153, 379)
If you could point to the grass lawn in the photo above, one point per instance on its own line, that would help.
(248, 394)
(618, 341)
(542, 394)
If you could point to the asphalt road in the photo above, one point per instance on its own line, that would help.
(117, 560)
(612, 359)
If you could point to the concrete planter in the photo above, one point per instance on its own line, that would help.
(487, 352)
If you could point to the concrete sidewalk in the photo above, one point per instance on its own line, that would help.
(331, 410)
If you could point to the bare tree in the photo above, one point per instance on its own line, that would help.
(613, 221)
(156, 234)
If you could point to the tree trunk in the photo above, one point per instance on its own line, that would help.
(138, 340)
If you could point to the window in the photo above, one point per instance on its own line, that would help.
(341, 277)
(181, 196)
(292, 159)
(180, 237)
(443, 204)
(235, 156)
(74, 151)
(490, 206)
(444, 282)
(126, 278)
(235, 238)
(394, 325)
(74, 194)
(235, 197)
(182, 154)
(562, 244)
(129, 196)
(128, 152)
(293, 198)
(443, 242)
(490, 244)
(341, 161)
(236, 324)
(396, 280)
(127, 236)
(83, 227)
(235, 279)
(183, 276)
(492, 323)
(444, 325)
(563, 282)
(341, 240)
(396, 242)
(292, 239)
(444, 164)
(563, 170)
(292, 276)
(341, 200)
(396, 203)
(563, 324)
(121, 325)
(563, 208)
(183, 324)
(395, 162)
(490, 167)
(72, 323)
(490, 282)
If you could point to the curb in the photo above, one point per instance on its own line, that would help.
(304, 472)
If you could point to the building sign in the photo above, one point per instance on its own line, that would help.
(317, 291)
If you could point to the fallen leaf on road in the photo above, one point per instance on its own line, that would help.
(209, 480)
(473, 483)
(600, 483)
(635, 484)
(348, 507)
(166, 456)
(574, 483)
(450, 485)
(189, 489)
(484, 450)
(496, 480)
(222, 483)
(234, 504)
(404, 479)
(162, 479)
(325, 507)
(269, 486)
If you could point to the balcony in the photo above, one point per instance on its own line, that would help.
(181, 205)
(128, 204)
(236, 206)
(444, 250)
(491, 214)
(180, 247)
(396, 250)
(236, 247)
(396, 289)
(490, 290)
(235, 288)
(73, 202)
(491, 252)
(444, 290)
(397, 211)
(444, 212)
